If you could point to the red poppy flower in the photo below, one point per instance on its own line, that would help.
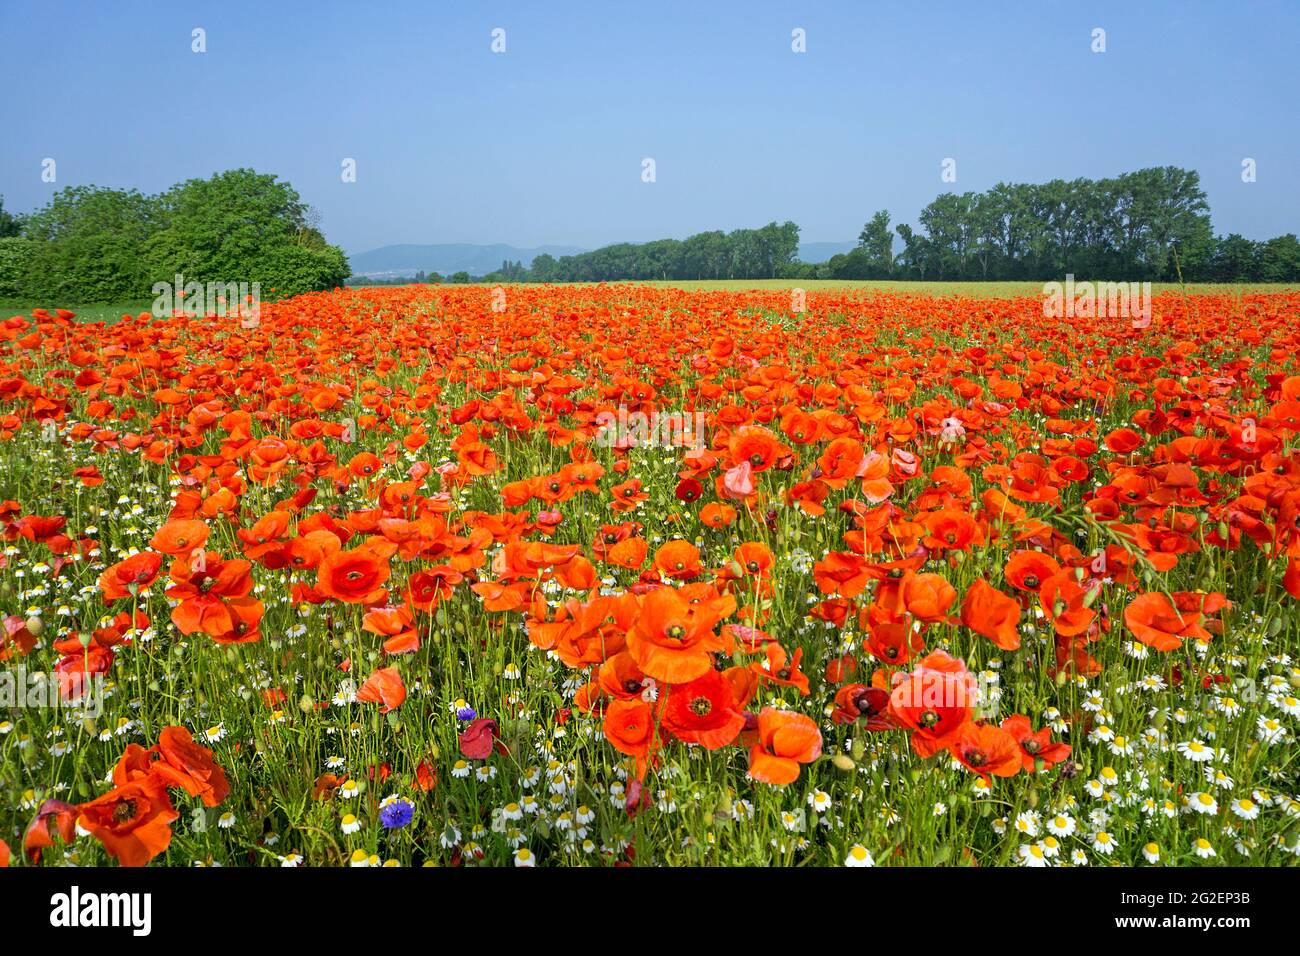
(785, 740)
(703, 711)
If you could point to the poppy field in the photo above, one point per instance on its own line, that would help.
(614, 575)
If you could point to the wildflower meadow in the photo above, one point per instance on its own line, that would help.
(607, 575)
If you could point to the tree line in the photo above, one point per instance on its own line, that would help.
(1152, 224)
(103, 245)
(763, 253)
(91, 245)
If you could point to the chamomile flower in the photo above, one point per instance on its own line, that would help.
(1027, 823)
(1151, 852)
(1203, 848)
(1245, 808)
(1061, 825)
(859, 856)
(1031, 854)
(1270, 730)
(1103, 843)
(350, 823)
(1203, 803)
(525, 857)
(1195, 751)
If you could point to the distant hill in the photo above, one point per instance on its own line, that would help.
(815, 252)
(404, 260)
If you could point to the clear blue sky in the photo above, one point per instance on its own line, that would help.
(544, 143)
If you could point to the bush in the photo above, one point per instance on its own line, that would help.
(290, 270)
(15, 256)
(89, 246)
(104, 245)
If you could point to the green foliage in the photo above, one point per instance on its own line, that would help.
(1150, 224)
(15, 256)
(10, 225)
(101, 245)
(765, 253)
(289, 269)
(90, 245)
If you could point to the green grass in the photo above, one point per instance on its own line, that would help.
(110, 313)
(996, 290)
(977, 289)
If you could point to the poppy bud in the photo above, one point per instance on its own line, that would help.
(843, 762)
(306, 704)
(35, 625)
(1033, 799)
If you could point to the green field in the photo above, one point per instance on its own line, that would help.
(1002, 290)
(86, 313)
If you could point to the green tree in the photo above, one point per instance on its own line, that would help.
(90, 246)
(15, 256)
(877, 239)
(243, 226)
(10, 225)
(1280, 259)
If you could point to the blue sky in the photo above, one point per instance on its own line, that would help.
(544, 143)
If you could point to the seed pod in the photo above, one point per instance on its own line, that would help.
(843, 762)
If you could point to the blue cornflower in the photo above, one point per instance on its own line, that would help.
(397, 814)
(466, 713)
